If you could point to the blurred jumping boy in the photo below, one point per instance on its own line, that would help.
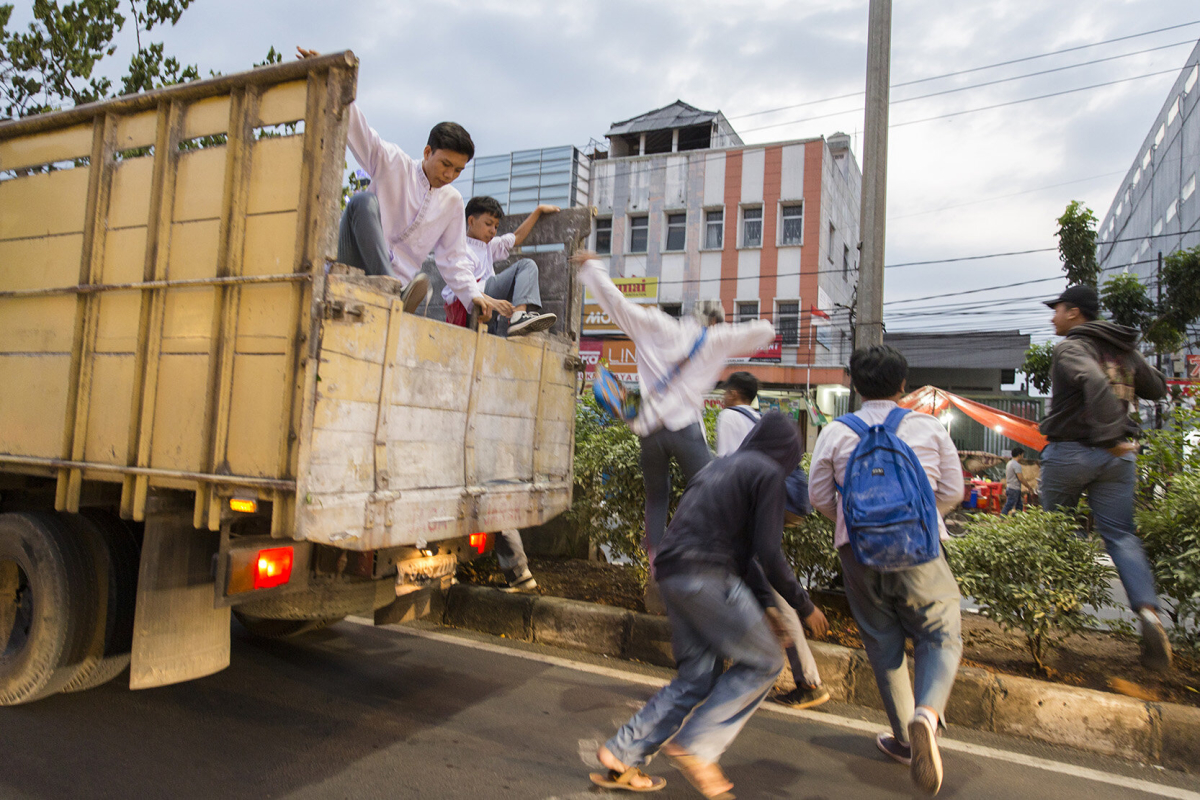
(518, 284)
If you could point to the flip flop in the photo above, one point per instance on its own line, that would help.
(620, 780)
(689, 765)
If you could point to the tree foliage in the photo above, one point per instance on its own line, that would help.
(1077, 244)
(1170, 528)
(1037, 366)
(1180, 305)
(1126, 300)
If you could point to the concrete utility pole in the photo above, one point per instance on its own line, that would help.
(869, 329)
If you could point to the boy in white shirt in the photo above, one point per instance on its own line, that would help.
(518, 284)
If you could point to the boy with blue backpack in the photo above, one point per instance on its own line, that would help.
(886, 477)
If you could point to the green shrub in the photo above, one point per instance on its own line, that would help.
(1170, 529)
(808, 546)
(1031, 573)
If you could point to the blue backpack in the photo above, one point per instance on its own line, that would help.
(887, 502)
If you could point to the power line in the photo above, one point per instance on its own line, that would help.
(1006, 196)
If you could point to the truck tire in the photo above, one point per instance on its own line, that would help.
(48, 608)
(282, 628)
(120, 556)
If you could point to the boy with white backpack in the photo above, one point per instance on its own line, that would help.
(896, 473)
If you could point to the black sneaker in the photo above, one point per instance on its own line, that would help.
(415, 293)
(524, 322)
(1156, 647)
(894, 749)
(926, 766)
(804, 697)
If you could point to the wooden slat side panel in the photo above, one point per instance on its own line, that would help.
(48, 204)
(46, 148)
(287, 102)
(270, 244)
(40, 263)
(179, 419)
(129, 201)
(259, 397)
(199, 185)
(206, 117)
(36, 324)
(111, 396)
(275, 175)
(33, 403)
(136, 130)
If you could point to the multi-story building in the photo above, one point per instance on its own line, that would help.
(686, 212)
(1157, 210)
(526, 178)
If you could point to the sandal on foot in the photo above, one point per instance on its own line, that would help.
(621, 780)
(693, 769)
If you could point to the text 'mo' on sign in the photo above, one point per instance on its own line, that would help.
(639, 290)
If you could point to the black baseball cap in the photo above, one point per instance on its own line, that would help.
(1082, 297)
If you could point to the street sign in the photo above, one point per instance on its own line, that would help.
(1193, 366)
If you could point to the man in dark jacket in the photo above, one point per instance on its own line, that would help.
(714, 566)
(1096, 377)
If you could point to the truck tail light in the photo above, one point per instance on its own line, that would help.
(479, 543)
(273, 567)
(243, 505)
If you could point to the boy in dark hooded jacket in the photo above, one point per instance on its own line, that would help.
(714, 564)
(1096, 377)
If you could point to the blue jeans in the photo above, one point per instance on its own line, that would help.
(1013, 501)
(714, 617)
(1071, 468)
(921, 603)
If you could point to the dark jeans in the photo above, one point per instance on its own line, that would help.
(687, 446)
(714, 617)
(1013, 501)
(1069, 469)
(361, 242)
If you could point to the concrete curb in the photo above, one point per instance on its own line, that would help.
(1166, 734)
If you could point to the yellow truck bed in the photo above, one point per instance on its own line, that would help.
(169, 319)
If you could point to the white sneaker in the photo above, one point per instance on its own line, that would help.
(416, 292)
(525, 322)
(926, 766)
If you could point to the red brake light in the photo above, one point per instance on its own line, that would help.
(479, 542)
(273, 567)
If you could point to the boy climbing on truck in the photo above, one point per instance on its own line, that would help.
(518, 284)
(409, 211)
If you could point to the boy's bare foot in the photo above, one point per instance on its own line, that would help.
(612, 762)
(707, 777)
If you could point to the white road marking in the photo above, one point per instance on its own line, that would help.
(1020, 759)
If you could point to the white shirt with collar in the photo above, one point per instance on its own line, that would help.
(484, 256)
(733, 424)
(417, 219)
(922, 432)
(662, 342)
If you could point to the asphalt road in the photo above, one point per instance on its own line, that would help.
(360, 712)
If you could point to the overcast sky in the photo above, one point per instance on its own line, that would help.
(537, 73)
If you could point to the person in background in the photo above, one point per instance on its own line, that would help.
(1014, 482)
(733, 424)
(1096, 376)
(920, 602)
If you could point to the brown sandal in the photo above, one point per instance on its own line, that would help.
(620, 780)
(694, 770)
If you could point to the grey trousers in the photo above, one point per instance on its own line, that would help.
(687, 446)
(921, 603)
(804, 666)
(518, 284)
(510, 552)
(361, 242)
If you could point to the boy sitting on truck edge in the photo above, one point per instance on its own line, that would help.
(409, 211)
(518, 284)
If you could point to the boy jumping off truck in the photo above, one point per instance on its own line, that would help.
(518, 284)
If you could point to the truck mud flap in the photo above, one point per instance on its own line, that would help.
(178, 635)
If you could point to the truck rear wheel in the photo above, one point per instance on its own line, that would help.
(48, 604)
(282, 628)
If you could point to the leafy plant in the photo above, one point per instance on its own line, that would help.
(1170, 528)
(1032, 573)
(1037, 366)
(1126, 300)
(1077, 244)
(808, 546)
(1170, 451)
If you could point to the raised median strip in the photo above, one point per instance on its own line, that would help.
(1165, 734)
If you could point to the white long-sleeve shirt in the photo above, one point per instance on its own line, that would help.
(417, 219)
(733, 426)
(484, 256)
(662, 342)
(922, 432)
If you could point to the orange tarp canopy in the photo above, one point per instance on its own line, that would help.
(931, 400)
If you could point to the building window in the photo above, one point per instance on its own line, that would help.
(676, 231)
(673, 310)
(752, 227)
(1188, 188)
(1172, 210)
(747, 312)
(792, 229)
(714, 230)
(787, 321)
(639, 228)
(604, 236)
(845, 261)
(829, 249)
